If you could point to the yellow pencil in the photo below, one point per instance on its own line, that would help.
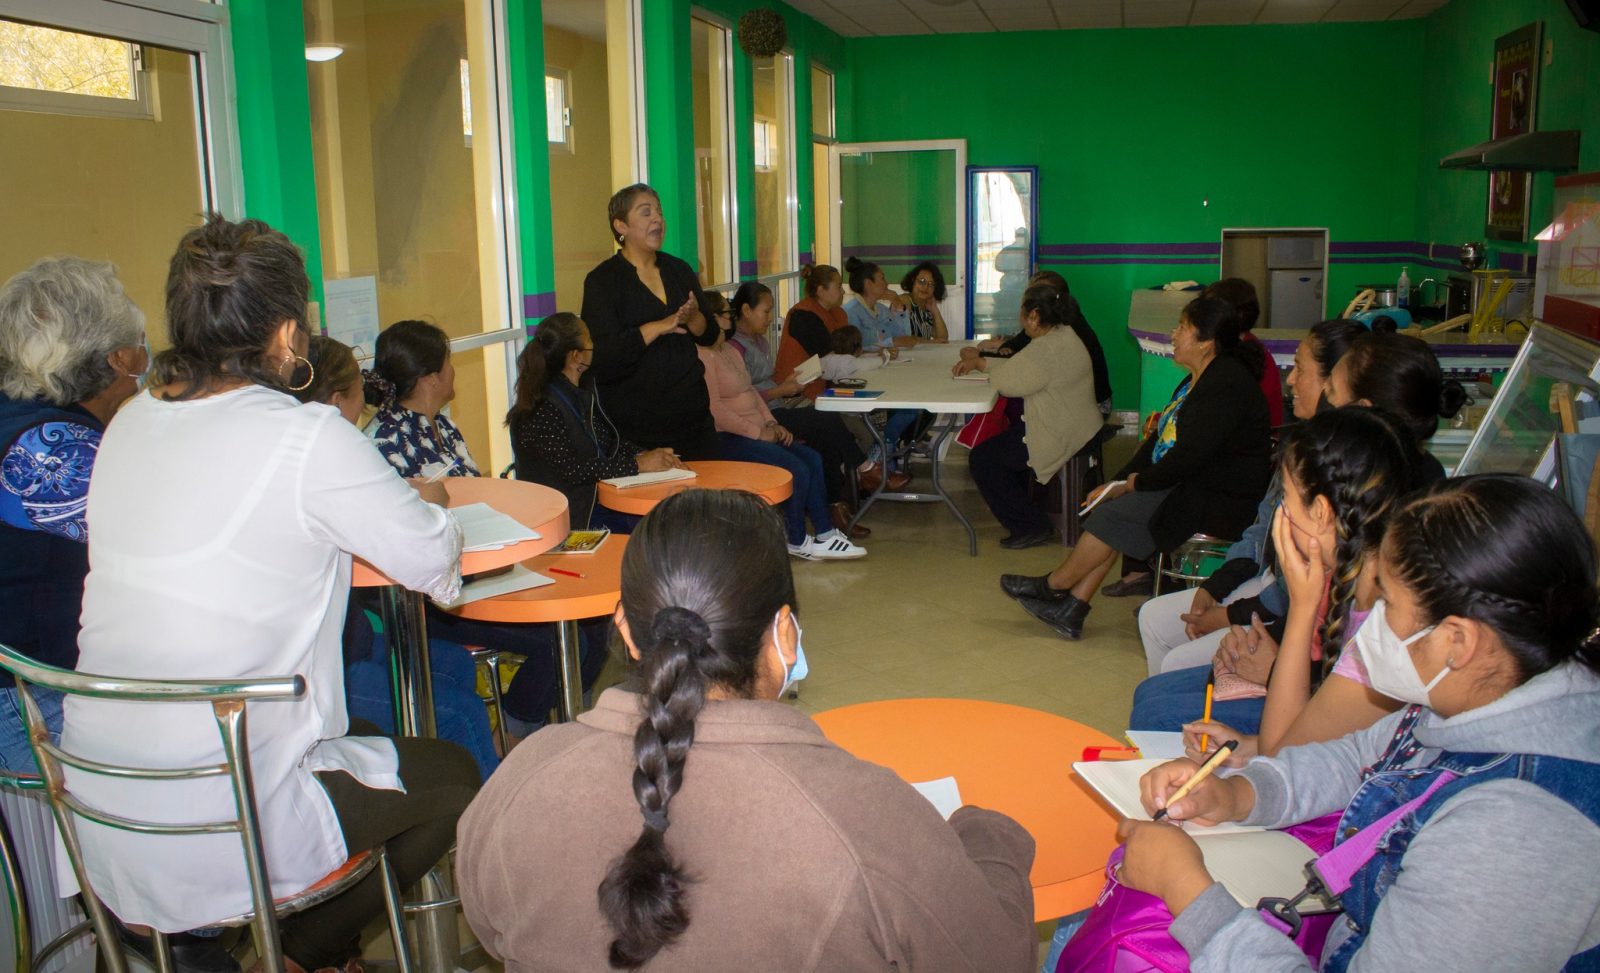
(1212, 763)
(1205, 738)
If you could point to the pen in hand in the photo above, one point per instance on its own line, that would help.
(1212, 763)
(441, 473)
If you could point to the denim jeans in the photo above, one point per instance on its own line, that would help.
(810, 495)
(15, 754)
(458, 711)
(1168, 701)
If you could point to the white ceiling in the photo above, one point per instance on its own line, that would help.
(866, 18)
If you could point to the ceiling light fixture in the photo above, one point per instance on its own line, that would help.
(323, 52)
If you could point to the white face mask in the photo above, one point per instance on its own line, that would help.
(798, 671)
(1388, 659)
(143, 378)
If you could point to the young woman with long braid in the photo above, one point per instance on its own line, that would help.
(1342, 472)
(700, 824)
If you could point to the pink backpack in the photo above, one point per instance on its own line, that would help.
(1128, 931)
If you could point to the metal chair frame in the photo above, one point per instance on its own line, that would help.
(24, 959)
(227, 699)
(1182, 563)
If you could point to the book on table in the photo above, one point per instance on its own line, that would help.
(1252, 863)
(582, 542)
(645, 479)
(484, 528)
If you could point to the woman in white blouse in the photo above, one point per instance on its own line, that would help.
(225, 514)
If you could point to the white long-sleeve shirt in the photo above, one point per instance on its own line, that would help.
(837, 366)
(223, 530)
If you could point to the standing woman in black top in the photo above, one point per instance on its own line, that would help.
(640, 306)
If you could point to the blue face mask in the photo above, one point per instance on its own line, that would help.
(798, 671)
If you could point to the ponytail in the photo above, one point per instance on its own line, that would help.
(643, 894)
(545, 355)
(378, 391)
(1217, 321)
(704, 575)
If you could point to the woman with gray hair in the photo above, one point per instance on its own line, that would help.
(71, 351)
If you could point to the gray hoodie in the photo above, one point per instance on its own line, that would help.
(1503, 877)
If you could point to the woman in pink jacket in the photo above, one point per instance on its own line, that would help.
(747, 432)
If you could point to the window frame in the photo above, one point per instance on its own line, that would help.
(564, 77)
(14, 98)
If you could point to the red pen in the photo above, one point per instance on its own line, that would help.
(570, 574)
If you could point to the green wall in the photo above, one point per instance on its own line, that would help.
(1458, 47)
(1166, 137)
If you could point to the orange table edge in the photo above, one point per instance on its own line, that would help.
(1009, 758)
(771, 483)
(592, 595)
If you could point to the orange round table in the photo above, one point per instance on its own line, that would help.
(565, 602)
(771, 483)
(405, 624)
(1008, 758)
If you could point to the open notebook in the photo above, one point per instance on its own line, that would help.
(1252, 863)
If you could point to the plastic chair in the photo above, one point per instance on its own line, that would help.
(227, 699)
(1185, 564)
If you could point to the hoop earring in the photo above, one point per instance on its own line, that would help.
(311, 372)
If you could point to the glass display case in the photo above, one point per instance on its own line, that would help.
(1551, 389)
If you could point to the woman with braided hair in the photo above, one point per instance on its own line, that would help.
(1342, 472)
(696, 823)
(1478, 803)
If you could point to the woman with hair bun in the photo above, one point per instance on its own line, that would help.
(1487, 631)
(1049, 390)
(697, 823)
(1400, 374)
(411, 381)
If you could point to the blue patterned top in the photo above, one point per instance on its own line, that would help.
(411, 441)
(44, 479)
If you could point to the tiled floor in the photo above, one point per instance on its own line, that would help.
(919, 617)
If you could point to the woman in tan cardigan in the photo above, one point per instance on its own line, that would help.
(699, 824)
(1049, 387)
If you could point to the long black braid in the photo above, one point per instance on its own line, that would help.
(702, 579)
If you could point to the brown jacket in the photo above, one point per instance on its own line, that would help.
(804, 857)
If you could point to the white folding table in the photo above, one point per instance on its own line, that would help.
(923, 383)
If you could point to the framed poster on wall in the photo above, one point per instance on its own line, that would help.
(1515, 111)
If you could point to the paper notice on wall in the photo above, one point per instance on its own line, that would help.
(350, 312)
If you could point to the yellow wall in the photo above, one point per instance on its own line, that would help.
(118, 189)
(395, 180)
(580, 173)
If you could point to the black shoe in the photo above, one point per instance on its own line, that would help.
(1065, 616)
(1131, 586)
(1028, 586)
(190, 953)
(1016, 542)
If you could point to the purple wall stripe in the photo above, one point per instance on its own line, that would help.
(539, 305)
(807, 258)
(747, 268)
(1199, 260)
(902, 250)
(1119, 249)
(1378, 246)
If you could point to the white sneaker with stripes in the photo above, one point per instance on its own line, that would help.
(832, 546)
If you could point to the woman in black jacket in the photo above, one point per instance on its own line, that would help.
(1203, 470)
(560, 435)
(640, 305)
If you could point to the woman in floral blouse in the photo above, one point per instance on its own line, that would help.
(412, 380)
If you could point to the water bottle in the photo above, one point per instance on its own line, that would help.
(1402, 290)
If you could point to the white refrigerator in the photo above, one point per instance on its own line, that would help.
(1296, 298)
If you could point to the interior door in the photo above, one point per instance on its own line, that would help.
(900, 203)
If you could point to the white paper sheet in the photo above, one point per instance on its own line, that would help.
(645, 479)
(1118, 782)
(1157, 744)
(808, 371)
(350, 312)
(943, 794)
(518, 578)
(484, 528)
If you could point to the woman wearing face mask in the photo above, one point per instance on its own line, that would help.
(1486, 626)
(560, 433)
(1342, 473)
(411, 382)
(749, 433)
(1184, 628)
(745, 838)
(640, 305)
(71, 352)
